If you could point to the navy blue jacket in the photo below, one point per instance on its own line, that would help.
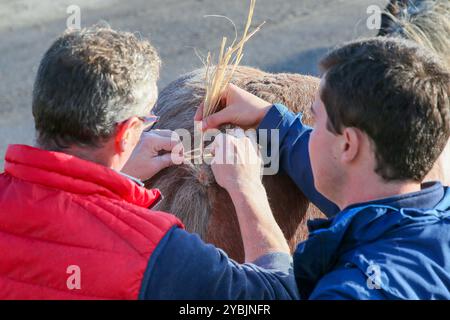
(183, 267)
(394, 248)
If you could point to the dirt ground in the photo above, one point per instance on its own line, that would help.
(296, 34)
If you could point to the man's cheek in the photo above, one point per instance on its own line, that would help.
(312, 153)
(310, 150)
(312, 146)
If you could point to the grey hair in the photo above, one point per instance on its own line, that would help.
(88, 81)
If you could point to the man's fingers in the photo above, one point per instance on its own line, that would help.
(199, 113)
(238, 133)
(211, 122)
(164, 132)
(217, 148)
(215, 120)
(164, 141)
(251, 134)
(177, 154)
(162, 162)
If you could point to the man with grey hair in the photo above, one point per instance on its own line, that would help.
(74, 215)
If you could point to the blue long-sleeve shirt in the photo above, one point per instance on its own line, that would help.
(184, 267)
(393, 248)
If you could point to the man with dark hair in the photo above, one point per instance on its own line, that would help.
(75, 219)
(382, 118)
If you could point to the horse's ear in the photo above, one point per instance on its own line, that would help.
(394, 8)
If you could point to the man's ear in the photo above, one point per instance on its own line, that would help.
(126, 134)
(351, 144)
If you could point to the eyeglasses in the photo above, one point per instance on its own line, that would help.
(149, 121)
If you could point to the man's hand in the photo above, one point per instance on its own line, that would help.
(157, 149)
(240, 108)
(237, 167)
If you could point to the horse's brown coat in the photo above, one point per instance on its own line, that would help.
(190, 191)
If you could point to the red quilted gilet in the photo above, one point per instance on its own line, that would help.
(59, 213)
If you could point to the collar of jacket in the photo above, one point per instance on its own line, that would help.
(71, 174)
(355, 226)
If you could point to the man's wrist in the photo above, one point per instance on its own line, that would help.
(129, 171)
(241, 192)
(252, 200)
(264, 111)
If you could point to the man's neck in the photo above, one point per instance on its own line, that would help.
(88, 154)
(367, 191)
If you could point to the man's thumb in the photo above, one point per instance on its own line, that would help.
(163, 161)
(215, 120)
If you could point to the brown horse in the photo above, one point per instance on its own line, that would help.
(190, 190)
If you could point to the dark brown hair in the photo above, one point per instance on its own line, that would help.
(398, 94)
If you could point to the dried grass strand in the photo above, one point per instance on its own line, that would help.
(219, 76)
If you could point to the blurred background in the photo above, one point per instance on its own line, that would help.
(296, 34)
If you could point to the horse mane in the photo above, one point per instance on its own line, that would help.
(426, 22)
